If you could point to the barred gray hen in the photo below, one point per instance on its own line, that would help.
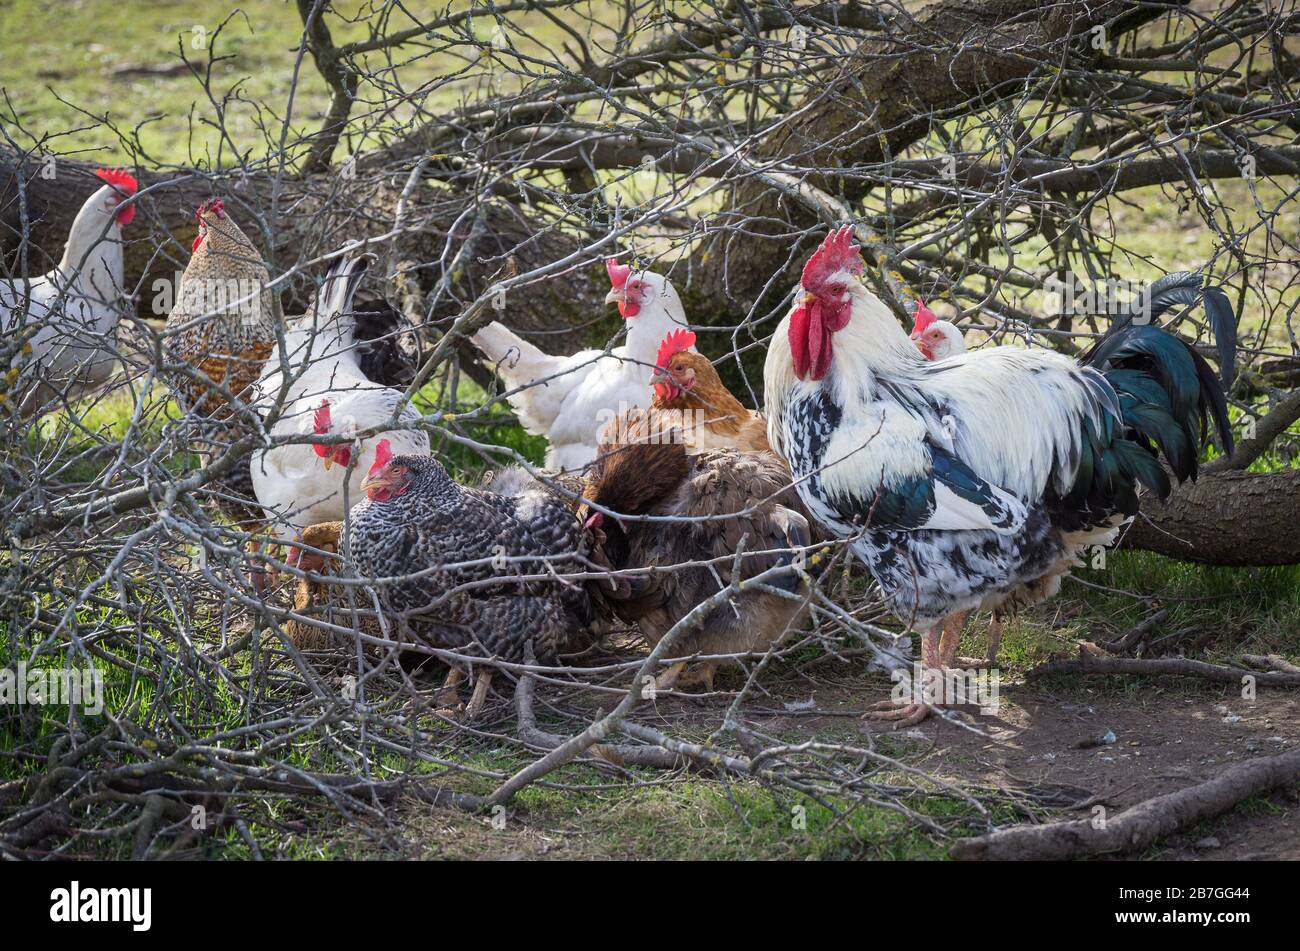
(481, 544)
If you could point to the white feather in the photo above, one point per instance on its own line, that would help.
(568, 399)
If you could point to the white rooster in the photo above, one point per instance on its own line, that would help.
(69, 315)
(568, 399)
(976, 481)
(300, 484)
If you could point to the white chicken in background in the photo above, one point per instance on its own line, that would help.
(936, 339)
(69, 315)
(569, 399)
(976, 482)
(300, 484)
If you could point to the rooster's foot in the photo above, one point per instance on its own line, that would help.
(901, 713)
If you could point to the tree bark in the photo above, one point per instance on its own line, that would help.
(318, 213)
(1225, 518)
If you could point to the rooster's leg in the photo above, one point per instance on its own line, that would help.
(479, 698)
(447, 695)
(938, 652)
(258, 576)
(952, 626)
(995, 639)
(990, 658)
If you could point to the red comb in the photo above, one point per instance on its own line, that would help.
(924, 318)
(383, 455)
(321, 421)
(836, 253)
(214, 205)
(119, 178)
(618, 273)
(675, 342)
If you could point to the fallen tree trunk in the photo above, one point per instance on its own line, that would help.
(1225, 518)
(316, 214)
(1137, 827)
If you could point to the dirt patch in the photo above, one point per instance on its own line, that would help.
(1113, 744)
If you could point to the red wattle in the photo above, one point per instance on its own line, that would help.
(126, 215)
(798, 337)
(810, 340)
(627, 308)
(198, 240)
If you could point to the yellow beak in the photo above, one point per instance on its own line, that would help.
(616, 295)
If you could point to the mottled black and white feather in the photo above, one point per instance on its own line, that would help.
(457, 566)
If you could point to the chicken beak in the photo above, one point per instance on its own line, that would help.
(372, 482)
(329, 463)
(616, 295)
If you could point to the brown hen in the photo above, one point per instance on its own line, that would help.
(693, 399)
(223, 326)
(722, 500)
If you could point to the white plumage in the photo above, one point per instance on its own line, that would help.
(568, 399)
(302, 483)
(972, 481)
(70, 314)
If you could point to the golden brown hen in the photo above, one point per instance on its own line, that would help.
(688, 388)
(224, 318)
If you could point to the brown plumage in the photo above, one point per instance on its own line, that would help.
(747, 498)
(224, 318)
(689, 388)
(223, 325)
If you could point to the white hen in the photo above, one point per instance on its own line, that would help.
(68, 316)
(300, 484)
(569, 399)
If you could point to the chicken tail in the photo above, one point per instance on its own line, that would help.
(515, 360)
(336, 294)
(1166, 394)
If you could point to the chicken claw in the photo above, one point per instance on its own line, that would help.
(902, 713)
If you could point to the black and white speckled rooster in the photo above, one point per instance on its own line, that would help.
(480, 543)
(975, 482)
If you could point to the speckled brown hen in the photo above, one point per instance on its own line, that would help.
(723, 498)
(224, 318)
(481, 544)
(223, 327)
